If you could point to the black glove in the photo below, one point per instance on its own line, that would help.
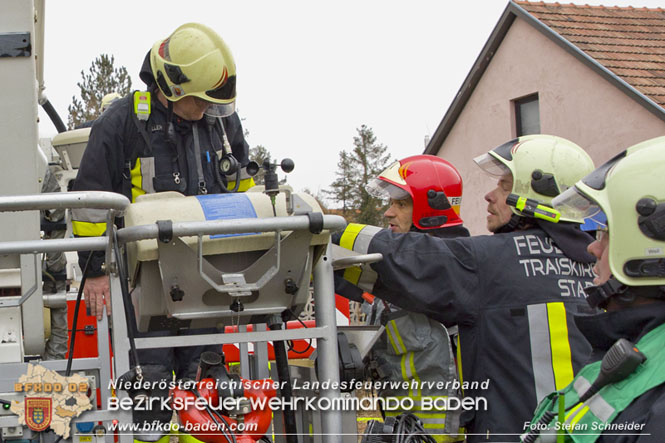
(155, 383)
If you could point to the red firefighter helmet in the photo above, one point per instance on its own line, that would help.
(434, 185)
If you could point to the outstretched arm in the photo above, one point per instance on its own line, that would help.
(420, 273)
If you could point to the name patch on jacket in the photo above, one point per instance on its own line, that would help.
(544, 258)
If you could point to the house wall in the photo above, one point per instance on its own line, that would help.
(575, 103)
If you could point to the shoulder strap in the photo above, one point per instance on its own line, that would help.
(140, 126)
(133, 128)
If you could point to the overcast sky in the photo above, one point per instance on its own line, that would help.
(309, 72)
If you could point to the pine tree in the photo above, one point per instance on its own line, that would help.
(102, 78)
(355, 169)
(344, 188)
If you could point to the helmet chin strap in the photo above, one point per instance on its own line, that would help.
(169, 131)
(599, 296)
(515, 223)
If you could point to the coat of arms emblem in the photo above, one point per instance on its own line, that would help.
(38, 413)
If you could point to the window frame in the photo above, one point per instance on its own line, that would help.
(518, 103)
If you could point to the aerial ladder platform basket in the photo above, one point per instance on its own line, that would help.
(216, 280)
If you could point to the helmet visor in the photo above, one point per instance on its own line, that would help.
(221, 110)
(574, 205)
(379, 188)
(491, 165)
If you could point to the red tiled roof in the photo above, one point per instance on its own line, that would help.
(628, 41)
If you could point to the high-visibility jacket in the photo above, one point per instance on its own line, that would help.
(118, 158)
(629, 410)
(512, 296)
(414, 358)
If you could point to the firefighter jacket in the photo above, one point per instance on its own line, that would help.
(513, 297)
(133, 157)
(416, 349)
(628, 410)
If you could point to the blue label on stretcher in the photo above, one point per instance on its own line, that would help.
(227, 207)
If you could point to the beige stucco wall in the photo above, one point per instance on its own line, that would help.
(575, 103)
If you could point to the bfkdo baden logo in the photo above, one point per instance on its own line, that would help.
(38, 413)
(50, 400)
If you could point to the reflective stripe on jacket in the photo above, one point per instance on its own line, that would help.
(416, 360)
(513, 297)
(117, 158)
(584, 422)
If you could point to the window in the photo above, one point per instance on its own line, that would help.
(527, 115)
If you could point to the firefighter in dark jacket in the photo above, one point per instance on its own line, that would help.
(628, 405)
(181, 135)
(176, 148)
(513, 295)
(425, 194)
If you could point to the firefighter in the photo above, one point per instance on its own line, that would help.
(169, 140)
(511, 294)
(108, 99)
(106, 102)
(54, 271)
(425, 193)
(55, 263)
(630, 285)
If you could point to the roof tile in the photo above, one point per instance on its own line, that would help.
(628, 41)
